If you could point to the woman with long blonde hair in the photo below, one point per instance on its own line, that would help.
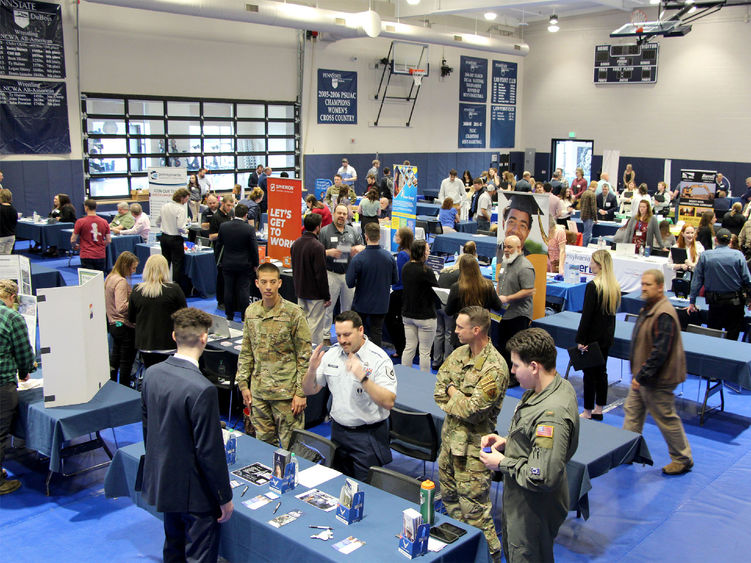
(601, 301)
(152, 303)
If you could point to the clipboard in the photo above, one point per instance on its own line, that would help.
(590, 358)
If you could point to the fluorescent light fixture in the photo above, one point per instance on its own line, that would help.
(692, 10)
(490, 16)
(413, 2)
(553, 19)
(688, 2)
(654, 2)
(553, 28)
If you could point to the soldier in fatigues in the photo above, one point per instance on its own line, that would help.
(470, 388)
(275, 353)
(543, 436)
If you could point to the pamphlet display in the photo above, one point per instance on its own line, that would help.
(285, 472)
(697, 193)
(414, 539)
(73, 337)
(351, 503)
(163, 182)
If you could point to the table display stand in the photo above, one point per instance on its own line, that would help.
(77, 449)
(418, 546)
(354, 514)
(283, 485)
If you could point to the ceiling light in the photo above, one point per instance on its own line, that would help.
(654, 2)
(688, 2)
(413, 2)
(490, 16)
(553, 28)
(553, 19)
(692, 10)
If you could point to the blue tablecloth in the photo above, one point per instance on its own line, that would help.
(601, 447)
(430, 193)
(571, 295)
(461, 226)
(247, 536)
(43, 233)
(42, 277)
(424, 208)
(200, 267)
(46, 429)
(120, 244)
(449, 243)
(600, 229)
(706, 356)
(107, 215)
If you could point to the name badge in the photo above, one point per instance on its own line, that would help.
(607, 204)
(334, 239)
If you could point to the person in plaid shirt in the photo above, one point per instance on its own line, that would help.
(16, 358)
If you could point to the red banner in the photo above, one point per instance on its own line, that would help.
(284, 209)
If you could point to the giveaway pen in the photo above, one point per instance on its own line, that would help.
(245, 490)
(321, 527)
(277, 507)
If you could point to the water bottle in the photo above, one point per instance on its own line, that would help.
(493, 266)
(427, 496)
(296, 465)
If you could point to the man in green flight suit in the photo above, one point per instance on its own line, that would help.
(470, 387)
(543, 436)
(274, 358)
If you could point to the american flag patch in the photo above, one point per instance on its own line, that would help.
(544, 431)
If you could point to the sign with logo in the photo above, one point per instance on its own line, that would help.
(473, 80)
(285, 217)
(697, 193)
(472, 126)
(163, 182)
(337, 97)
(31, 39)
(33, 118)
(404, 204)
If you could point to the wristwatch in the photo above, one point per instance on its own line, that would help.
(364, 379)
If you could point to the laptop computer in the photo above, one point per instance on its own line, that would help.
(220, 329)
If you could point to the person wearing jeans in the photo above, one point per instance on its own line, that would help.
(588, 206)
(418, 306)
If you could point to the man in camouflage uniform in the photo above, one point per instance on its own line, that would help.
(274, 358)
(470, 388)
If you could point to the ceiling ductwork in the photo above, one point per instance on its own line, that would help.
(336, 25)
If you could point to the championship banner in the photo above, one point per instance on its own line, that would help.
(525, 215)
(337, 96)
(697, 189)
(163, 182)
(404, 205)
(285, 217)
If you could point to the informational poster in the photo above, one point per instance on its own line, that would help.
(285, 217)
(502, 126)
(525, 215)
(322, 186)
(27, 307)
(163, 182)
(337, 96)
(33, 117)
(473, 80)
(404, 205)
(17, 268)
(697, 191)
(31, 39)
(503, 85)
(472, 126)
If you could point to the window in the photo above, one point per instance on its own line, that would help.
(126, 135)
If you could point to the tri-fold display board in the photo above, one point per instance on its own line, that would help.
(73, 337)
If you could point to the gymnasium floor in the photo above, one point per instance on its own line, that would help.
(637, 514)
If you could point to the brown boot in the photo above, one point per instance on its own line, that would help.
(9, 485)
(677, 468)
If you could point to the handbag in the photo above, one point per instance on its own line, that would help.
(589, 358)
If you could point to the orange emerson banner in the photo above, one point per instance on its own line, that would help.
(284, 210)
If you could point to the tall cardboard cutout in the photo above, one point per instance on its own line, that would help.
(404, 204)
(526, 215)
(73, 339)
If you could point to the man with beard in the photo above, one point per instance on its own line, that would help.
(516, 288)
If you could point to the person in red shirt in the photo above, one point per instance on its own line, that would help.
(94, 235)
(579, 184)
(316, 206)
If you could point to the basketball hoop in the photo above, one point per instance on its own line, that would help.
(417, 74)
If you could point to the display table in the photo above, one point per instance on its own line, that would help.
(46, 234)
(199, 266)
(601, 228)
(601, 447)
(449, 243)
(47, 430)
(706, 356)
(425, 208)
(43, 277)
(248, 536)
(461, 226)
(569, 295)
(628, 269)
(120, 244)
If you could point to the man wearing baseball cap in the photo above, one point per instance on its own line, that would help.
(726, 279)
(348, 173)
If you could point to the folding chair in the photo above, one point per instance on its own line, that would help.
(395, 483)
(313, 447)
(714, 385)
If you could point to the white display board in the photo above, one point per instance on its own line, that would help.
(73, 342)
(16, 268)
(162, 184)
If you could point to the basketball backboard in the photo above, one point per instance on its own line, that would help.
(408, 56)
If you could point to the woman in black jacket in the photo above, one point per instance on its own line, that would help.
(418, 306)
(601, 300)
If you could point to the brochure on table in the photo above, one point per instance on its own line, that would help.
(73, 340)
(18, 269)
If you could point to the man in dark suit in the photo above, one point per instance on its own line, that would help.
(262, 183)
(237, 249)
(253, 176)
(185, 471)
(607, 204)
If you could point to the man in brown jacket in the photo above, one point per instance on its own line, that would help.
(588, 207)
(658, 365)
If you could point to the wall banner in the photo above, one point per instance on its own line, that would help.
(473, 80)
(285, 217)
(31, 39)
(337, 97)
(472, 126)
(502, 126)
(503, 83)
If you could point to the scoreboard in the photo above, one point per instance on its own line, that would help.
(626, 64)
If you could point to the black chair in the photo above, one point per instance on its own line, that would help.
(313, 447)
(146, 359)
(714, 385)
(413, 434)
(220, 367)
(483, 232)
(396, 483)
(435, 227)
